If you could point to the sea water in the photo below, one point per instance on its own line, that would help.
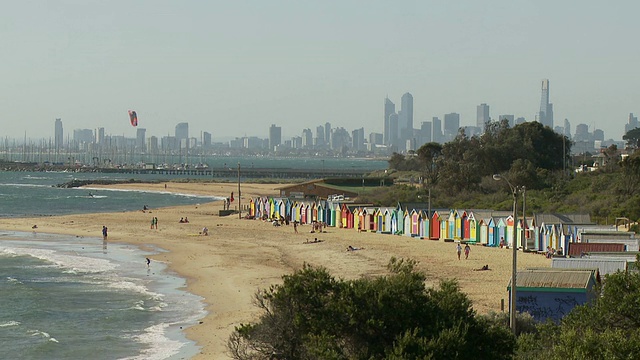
(65, 297)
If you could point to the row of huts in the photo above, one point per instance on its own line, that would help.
(487, 227)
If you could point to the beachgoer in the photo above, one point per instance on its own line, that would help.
(145, 207)
(486, 267)
(181, 221)
(148, 262)
(352, 248)
(186, 220)
(34, 227)
(501, 242)
(205, 231)
(458, 250)
(165, 186)
(155, 222)
(104, 232)
(467, 249)
(295, 227)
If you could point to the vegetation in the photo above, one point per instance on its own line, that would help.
(314, 316)
(459, 175)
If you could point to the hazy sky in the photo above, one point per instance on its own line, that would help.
(233, 68)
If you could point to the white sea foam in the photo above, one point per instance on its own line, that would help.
(10, 323)
(13, 280)
(213, 197)
(158, 345)
(72, 263)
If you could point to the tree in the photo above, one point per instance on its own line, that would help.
(314, 316)
(632, 137)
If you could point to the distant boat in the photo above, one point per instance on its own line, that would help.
(201, 167)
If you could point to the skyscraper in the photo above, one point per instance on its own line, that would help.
(631, 124)
(405, 117)
(58, 135)
(545, 115)
(140, 139)
(389, 108)
(482, 116)
(182, 131)
(451, 126)
(275, 137)
(436, 133)
(393, 130)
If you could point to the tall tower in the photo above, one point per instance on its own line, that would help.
(275, 136)
(545, 116)
(405, 120)
(389, 108)
(482, 116)
(58, 135)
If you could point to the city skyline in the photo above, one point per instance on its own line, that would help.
(302, 64)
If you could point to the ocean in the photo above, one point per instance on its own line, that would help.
(67, 297)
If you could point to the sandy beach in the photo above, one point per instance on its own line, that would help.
(240, 256)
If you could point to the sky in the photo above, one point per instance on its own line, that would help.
(233, 68)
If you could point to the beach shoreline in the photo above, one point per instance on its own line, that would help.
(241, 256)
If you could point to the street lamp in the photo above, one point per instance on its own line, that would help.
(512, 308)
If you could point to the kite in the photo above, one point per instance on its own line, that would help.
(133, 117)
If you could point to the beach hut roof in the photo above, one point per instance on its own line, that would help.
(408, 206)
(556, 278)
(604, 265)
(555, 218)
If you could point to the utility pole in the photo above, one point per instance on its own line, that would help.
(239, 195)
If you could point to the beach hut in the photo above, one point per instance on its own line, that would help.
(406, 220)
(552, 293)
(501, 228)
(465, 232)
(451, 222)
(483, 232)
(424, 224)
(415, 223)
(338, 215)
(434, 233)
(493, 234)
(314, 212)
(386, 224)
(472, 227)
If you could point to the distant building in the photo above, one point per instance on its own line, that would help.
(307, 139)
(482, 116)
(182, 131)
(376, 139)
(320, 141)
(520, 120)
(393, 130)
(206, 139)
(327, 133)
(436, 133)
(631, 124)
(451, 126)
(425, 133)
(140, 139)
(509, 118)
(389, 108)
(405, 117)
(275, 137)
(545, 115)
(83, 136)
(59, 135)
(340, 139)
(357, 137)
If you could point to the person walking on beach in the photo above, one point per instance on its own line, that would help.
(104, 233)
(295, 227)
(148, 262)
(155, 222)
(459, 250)
(467, 249)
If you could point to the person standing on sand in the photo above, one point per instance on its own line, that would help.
(295, 227)
(155, 222)
(467, 249)
(459, 250)
(104, 233)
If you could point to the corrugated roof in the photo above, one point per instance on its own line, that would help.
(576, 249)
(604, 265)
(555, 278)
(562, 218)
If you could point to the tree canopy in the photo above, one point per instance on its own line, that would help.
(314, 316)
